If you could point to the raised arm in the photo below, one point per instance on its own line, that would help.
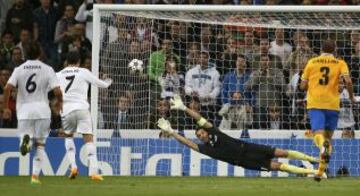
(177, 104)
(165, 126)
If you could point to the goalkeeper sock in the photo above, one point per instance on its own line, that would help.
(294, 169)
(71, 151)
(92, 158)
(37, 160)
(300, 156)
(319, 140)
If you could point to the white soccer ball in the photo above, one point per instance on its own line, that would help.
(136, 65)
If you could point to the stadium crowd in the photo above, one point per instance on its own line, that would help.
(238, 77)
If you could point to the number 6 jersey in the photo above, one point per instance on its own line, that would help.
(33, 80)
(74, 84)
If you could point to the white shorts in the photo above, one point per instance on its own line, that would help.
(78, 121)
(36, 128)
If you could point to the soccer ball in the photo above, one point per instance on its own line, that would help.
(136, 65)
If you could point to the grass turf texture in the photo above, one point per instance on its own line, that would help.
(189, 186)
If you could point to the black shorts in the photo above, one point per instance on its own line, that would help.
(257, 157)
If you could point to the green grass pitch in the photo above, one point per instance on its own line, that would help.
(187, 186)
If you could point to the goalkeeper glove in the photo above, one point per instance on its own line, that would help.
(177, 104)
(165, 126)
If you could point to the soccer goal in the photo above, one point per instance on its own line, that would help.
(239, 66)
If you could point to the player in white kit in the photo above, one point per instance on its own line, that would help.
(74, 82)
(33, 79)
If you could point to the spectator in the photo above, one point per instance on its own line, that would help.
(77, 45)
(63, 26)
(6, 123)
(6, 47)
(249, 49)
(279, 47)
(208, 42)
(267, 84)
(346, 121)
(307, 2)
(171, 82)
(234, 81)
(355, 68)
(77, 41)
(298, 112)
(178, 31)
(264, 50)
(85, 14)
(25, 39)
(5, 6)
(4, 77)
(19, 17)
(236, 114)
(300, 56)
(343, 171)
(16, 59)
(193, 55)
(124, 117)
(45, 18)
(142, 30)
(228, 56)
(203, 81)
(158, 58)
(274, 116)
(348, 134)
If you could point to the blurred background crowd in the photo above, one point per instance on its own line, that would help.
(239, 77)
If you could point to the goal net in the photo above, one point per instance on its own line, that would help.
(237, 66)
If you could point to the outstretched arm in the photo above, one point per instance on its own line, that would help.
(165, 126)
(177, 104)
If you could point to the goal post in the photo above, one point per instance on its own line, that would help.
(223, 34)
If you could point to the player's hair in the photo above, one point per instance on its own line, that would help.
(33, 51)
(328, 46)
(73, 57)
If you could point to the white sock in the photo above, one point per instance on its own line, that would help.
(92, 158)
(71, 151)
(37, 161)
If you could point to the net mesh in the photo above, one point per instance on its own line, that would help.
(240, 70)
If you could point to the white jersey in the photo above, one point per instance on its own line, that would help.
(33, 80)
(74, 84)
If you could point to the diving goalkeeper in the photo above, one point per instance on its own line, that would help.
(236, 152)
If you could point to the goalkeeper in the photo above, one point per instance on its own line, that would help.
(236, 152)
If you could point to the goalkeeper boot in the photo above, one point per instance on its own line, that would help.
(25, 145)
(96, 177)
(35, 180)
(73, 173)
(325, 152)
